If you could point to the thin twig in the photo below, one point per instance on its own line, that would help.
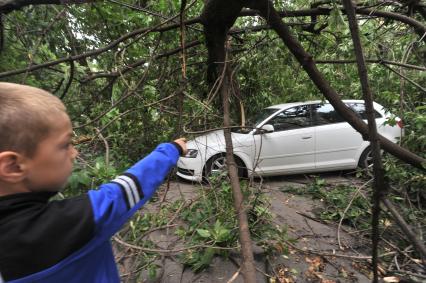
(214, 129)
(157, 28)
(411, 274)
(129, 93)
(70, 79)
(134, 109)
(320, 253)
(99, 134)
(405, 77)
(234, 277)
(346, 209)
(118, 240)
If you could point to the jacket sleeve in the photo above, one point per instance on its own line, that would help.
(115, 202)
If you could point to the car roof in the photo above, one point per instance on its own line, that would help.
(291, 104)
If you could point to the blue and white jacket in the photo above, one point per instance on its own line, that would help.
(69, 240)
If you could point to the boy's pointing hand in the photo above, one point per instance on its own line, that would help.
(182, 143)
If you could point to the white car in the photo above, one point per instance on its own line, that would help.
(289, 138)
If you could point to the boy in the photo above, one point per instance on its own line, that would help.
(68, 240)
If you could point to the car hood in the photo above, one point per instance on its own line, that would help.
(215, 140)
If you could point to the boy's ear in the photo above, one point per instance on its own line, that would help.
(11, 168)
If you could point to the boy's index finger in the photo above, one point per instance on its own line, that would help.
(181, 142)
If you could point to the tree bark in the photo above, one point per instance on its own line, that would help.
(248, 268)
(7, 6)
(379, 187)
(217, 18)
(268, 11)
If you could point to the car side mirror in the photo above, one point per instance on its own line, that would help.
(268, 128)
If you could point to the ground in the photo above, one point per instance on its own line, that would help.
(314, 257)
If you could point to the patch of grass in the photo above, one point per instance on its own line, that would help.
(335, 201)
(211, 222)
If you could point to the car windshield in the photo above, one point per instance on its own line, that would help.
(255, 120)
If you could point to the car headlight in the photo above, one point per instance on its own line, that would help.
(192, 153)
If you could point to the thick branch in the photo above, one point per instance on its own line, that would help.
(249, 271)
(218, 17)
(305, 59)
(419, 27)
(379, 188)
(158, 28)
(420, 247)
(7, 6)
(373, 61)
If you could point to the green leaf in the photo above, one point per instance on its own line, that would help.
(222, 235)
(336, 21)
(152, 271)
(204, 233)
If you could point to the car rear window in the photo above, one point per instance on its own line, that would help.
(326, 114)
(359, 108)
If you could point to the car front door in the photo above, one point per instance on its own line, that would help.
(290, 148)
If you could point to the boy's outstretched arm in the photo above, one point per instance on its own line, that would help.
(113, 203)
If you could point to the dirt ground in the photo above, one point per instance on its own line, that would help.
(315, 256)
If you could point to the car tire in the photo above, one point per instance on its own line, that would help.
(366, 160)
(217, 164)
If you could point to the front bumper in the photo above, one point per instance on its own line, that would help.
(190, 169)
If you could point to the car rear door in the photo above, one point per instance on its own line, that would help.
(337, 144)
(383, 128)
(290, 148)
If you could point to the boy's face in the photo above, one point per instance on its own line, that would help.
(53, 160)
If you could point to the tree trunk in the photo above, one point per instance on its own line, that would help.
(379, 187)
(218, 17)
(420, 247)
(248, 268)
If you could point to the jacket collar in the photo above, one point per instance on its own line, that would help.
(41, 197)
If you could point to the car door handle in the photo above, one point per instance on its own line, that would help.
(306, 137)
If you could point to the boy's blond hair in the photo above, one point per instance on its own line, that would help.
(26, 114)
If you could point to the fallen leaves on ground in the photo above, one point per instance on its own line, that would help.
(315, 270)
(284, 275)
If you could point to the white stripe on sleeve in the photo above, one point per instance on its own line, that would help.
(127, 188)
(132, 184)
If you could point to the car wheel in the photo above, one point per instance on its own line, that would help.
(216, 166)
(366, 160)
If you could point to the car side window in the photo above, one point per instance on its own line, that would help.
(292, 118)
(326, 114)
(359, 108)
